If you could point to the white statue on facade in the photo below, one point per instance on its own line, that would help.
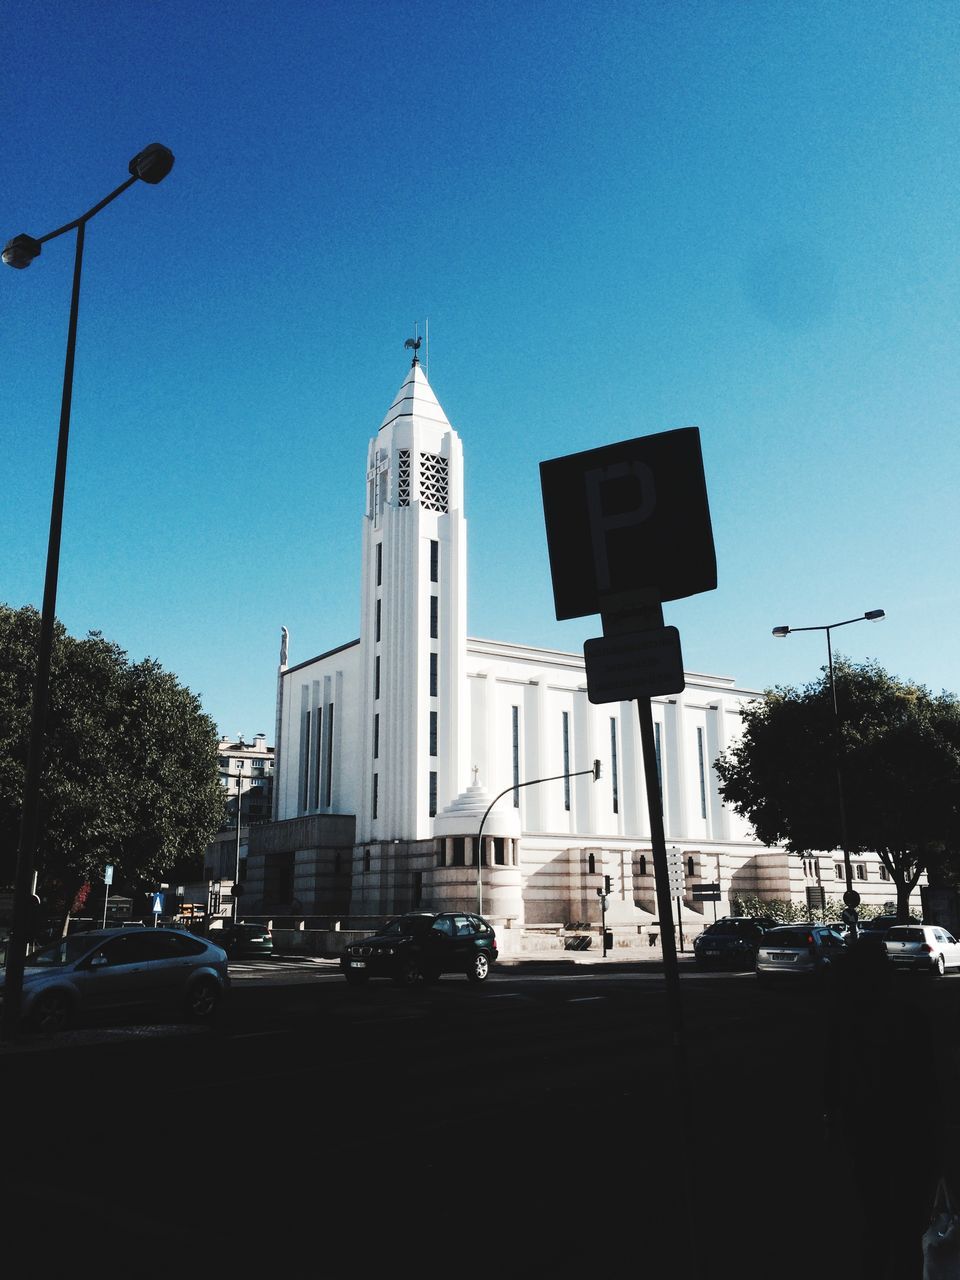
(284, 642)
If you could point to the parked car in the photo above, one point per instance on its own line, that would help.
(108, 971)
(243, 940)
(799, 951)
(420, 946)
(927, 947)
(730, 942)
(877, 927)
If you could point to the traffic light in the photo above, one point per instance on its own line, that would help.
(596, 770)
(607, 886)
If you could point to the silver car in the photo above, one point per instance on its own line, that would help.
(927, 947)
(114, 970)
(799, 951)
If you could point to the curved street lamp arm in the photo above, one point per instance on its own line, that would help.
(516, 787)
(85, 217)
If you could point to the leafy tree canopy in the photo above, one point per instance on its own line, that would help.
(897, 749)
(130, 767)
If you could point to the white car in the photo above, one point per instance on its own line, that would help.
(922, 946)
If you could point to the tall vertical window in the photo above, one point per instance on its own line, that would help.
(434, 561)
(319, 758)
(566, 759)
(377, 624)
(433, 793)
(703, 773)
(379, 563)
(433, 675)
(329, 799)
(614, 772)
(376, 795)
(434, 617)
(305, 769)
(659, 754)
(515, 729)
(376, 735)
(433, 733)
(376, 676)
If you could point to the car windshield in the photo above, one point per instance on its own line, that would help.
(732, 929)
(906, 935)
(66, 951)
(787, 938)
(407, 926)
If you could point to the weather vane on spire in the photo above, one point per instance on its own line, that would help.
(414, 344)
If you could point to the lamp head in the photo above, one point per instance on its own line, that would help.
(21, 251)
(152, 164)
(781, 631)
(874, 615)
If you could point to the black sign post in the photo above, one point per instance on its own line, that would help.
(628, 526)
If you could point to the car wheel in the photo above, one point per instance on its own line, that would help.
(409, 973)
(202, 1000)
(355, 978)
(939, 967)
(52, 1011)
(479, 969)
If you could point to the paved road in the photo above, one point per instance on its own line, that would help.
(537, 1122)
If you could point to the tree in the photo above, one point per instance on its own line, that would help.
(129, 770)
(898, 755)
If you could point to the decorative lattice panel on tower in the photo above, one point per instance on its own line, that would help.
(403, 477)
(433, 482)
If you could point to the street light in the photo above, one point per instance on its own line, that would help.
(151, 166)
(850, 897)
(236, 876)
(516, 787)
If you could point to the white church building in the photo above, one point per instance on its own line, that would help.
(407, 754)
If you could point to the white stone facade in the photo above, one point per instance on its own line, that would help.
(415, 729)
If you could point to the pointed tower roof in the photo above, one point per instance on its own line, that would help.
(415, 399)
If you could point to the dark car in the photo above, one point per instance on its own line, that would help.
(420, 946)
(243, 940)
(729, 943)
(110, 971)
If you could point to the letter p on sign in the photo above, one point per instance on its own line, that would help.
(628, 517)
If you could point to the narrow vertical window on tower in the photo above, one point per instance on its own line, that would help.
(376, 795)
(329, 779)
(433, 675)
(433, 733)
(376, 736)
(376, 628)
(515, 732)
(379, 564)
(433, 793)
(434, 617)
(614, 779)
(566, 759)
(703, 773)
(318, 758)
(305, 765)
(434, 560)
(376, 676)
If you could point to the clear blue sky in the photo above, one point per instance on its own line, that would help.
(617, 218)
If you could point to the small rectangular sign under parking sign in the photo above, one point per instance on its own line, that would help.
(642, 664)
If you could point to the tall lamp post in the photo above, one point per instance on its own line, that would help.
(516, 787)
(851, 898)
(150, 165)
(236, 875)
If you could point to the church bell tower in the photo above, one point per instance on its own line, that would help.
(413, 713)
